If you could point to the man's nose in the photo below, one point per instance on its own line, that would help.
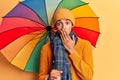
(63, 26)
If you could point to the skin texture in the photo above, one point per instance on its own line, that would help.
(64, 28)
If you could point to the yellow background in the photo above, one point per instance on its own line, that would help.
(106, 55)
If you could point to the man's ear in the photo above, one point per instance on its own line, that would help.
(54, 29)
(72, 26)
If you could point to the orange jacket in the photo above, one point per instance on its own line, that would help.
(81, 61)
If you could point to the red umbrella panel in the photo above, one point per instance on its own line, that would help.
(18, 41)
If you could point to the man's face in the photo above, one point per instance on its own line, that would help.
(65, 24)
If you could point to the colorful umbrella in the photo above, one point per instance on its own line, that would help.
(23, 31)
(5, 8)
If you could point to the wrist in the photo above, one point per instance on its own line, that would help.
(71, 50)
(47, 77)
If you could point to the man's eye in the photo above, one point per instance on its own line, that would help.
(58, 24)
(67, 23)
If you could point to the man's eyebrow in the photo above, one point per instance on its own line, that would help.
(58, 20)
(68, 20)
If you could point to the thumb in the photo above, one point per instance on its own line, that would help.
(73, 37)
(61, 71)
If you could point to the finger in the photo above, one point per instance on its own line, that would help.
(58, 78)
(55, 72)
(53, 77)
(62, 35)
(61, 72)
(73, 38)
(66, 35)
(62, 38)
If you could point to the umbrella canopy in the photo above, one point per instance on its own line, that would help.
(5, 8)
(23, 30)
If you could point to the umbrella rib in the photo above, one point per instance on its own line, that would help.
(33, 11)
(38, 37)
(24, 18)
(58, 5)
(54, 12)
(71, 8)
(23, 46)
(88, 29)
(42, 38)
(16, 38)
(46, 12)
(79, 6)
(20, 27)
(18, 52)
(44, 35)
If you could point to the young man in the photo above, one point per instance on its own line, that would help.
(66, 57)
